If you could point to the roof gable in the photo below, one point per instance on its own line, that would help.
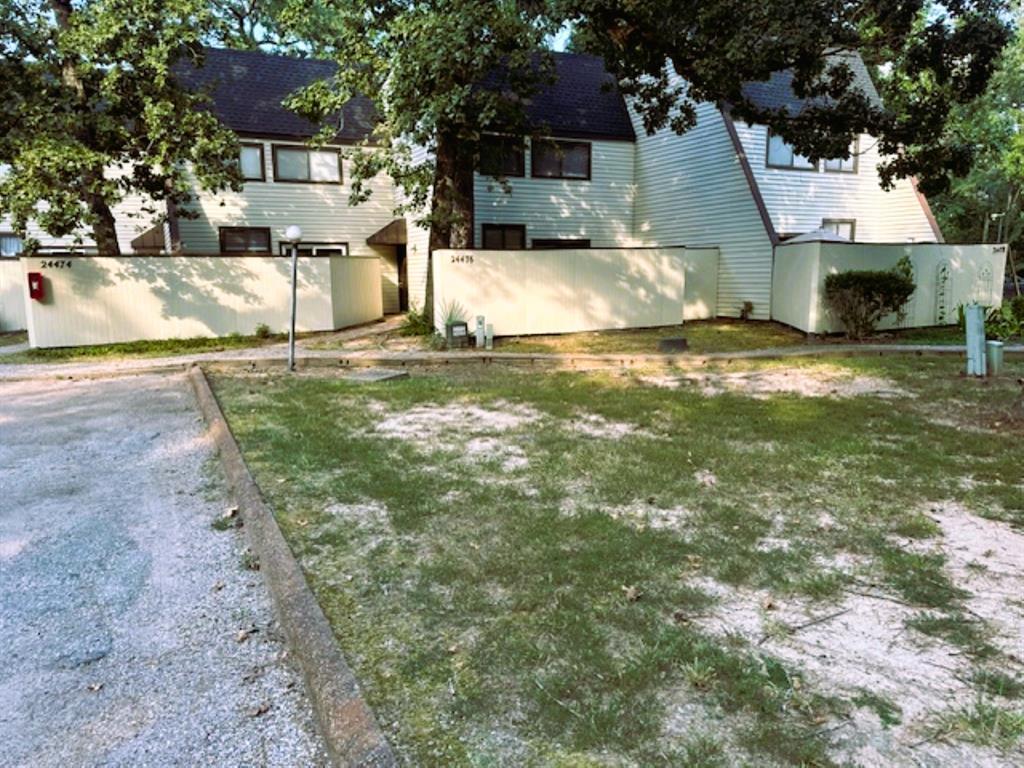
(777, 91)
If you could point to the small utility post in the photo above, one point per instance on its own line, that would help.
(293, 235)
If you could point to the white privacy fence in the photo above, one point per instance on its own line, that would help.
(103, 300)
(946, 276)
(578, 289)
(12, 300)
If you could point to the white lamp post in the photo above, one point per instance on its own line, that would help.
(293, 235)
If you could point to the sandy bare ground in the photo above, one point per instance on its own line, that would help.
(853, 647)
(130, 631)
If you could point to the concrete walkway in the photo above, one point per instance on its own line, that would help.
(131, 634)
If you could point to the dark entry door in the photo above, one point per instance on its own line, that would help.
(403, 279)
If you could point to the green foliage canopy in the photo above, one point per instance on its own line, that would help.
(91, 112)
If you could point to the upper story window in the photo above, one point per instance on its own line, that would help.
(846, 228)
(502, 156)
(504, 237)
(321, 166)
(250, 161)
(10, 245)
(839, 165)
(782, 155)
(245, 239)
(560, 160)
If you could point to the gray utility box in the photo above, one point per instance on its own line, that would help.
(456, 334)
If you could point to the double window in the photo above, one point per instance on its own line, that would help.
(502, 157)
(301, 164)
(504, 237)
(782, 155)
(846, 228)
(245, 240)
(250, 162)
(560, 160)
(10, 245)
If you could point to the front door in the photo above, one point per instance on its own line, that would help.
(403, 279)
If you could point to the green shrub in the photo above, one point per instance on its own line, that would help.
(262, 331)
(1017, 307)
(859, 299)
(416, 323)
(1003, 323)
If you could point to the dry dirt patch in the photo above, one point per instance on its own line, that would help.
(806, 382)
(986, 558)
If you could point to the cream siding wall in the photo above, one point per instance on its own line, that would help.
(321, 210)
(691, 190)
(600, 209)
(418, 245)
(132, 216)
(797, 201)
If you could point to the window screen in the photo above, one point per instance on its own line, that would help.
(561, 160)
(842, 227)
(251, 161)
(507, 237)
(10, 245)
(245, 240)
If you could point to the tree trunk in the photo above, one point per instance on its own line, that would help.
(451, 204)
(104, 233)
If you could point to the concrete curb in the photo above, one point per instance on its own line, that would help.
(346, 723)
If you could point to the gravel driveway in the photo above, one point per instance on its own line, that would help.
(131, 633)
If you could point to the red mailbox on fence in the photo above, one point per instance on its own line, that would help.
(36, 287)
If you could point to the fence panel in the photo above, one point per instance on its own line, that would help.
(569, 290)
(103, 300)
(946, 276)
(12, 296)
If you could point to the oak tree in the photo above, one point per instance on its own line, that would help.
(92, 112)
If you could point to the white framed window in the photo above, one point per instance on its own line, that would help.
(299, 164)
(11, 245)
(781, 155)
(839, 165)
(315, 249)
(250, 162)
(843, 227)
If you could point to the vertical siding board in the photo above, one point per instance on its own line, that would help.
(691, 190)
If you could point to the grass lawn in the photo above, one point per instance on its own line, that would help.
(809, 564)
(161, 348)
(704, 336)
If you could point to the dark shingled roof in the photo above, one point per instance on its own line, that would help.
(248, 87)
(777, 91)
(584, 101)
